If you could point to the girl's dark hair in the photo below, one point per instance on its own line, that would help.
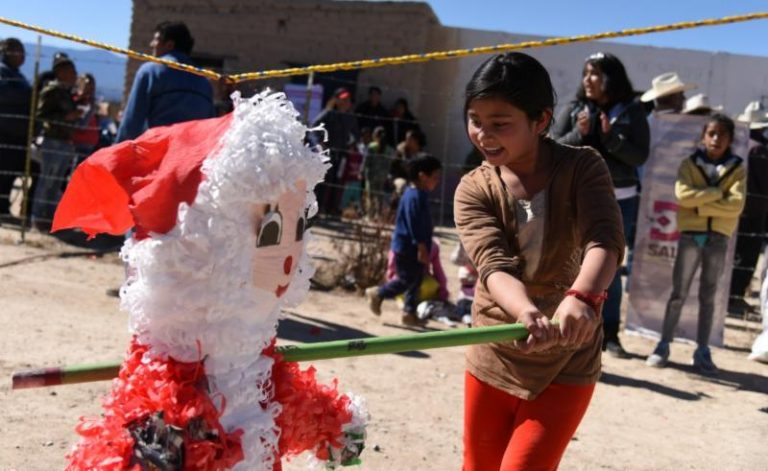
(722, 120)
(617, 85)
(516, 78)
(426, 164)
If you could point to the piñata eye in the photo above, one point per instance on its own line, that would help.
(271, 230)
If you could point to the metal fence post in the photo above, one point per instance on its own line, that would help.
(30, 137)
(308, 100)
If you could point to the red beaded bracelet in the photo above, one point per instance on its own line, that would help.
(595, 301)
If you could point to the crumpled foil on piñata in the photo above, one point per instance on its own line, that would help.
(316, 418)
(144, 388)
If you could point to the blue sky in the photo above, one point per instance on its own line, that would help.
(109, 20)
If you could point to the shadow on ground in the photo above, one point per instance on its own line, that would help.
(733, 379)
(624, 381)
(306, 329)
(100, 243)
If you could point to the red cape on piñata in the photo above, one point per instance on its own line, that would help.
(140, 183)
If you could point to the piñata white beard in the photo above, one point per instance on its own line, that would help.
(191, 294)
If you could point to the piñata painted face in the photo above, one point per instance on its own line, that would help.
(279, 229)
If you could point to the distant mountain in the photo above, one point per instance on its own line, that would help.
(106, 67)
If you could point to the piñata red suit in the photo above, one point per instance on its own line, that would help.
(219, 210)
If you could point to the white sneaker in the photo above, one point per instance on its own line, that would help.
(659, 357)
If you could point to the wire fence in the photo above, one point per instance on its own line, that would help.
(29, 188)
(393, 155)
(25, 187)
(357, 159)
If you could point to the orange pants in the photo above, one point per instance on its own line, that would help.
(503, 432)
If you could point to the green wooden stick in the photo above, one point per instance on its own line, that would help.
(301, 352)
(402, 343)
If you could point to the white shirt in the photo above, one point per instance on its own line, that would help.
(530, 230)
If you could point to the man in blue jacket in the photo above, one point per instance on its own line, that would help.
(161, 95)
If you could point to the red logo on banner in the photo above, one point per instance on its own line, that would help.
(664, 225)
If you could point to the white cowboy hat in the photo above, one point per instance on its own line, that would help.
(666, 84)
(755, 115)
(700, 103)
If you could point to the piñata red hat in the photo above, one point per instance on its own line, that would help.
(140, 183)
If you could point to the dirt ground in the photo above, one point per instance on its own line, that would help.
(54, 311)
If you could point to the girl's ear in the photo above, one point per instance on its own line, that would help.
(542, 123)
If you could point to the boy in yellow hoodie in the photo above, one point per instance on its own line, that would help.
(710, 191)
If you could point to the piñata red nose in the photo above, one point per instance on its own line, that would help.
(287, 265)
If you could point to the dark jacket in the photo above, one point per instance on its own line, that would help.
(55, 104)
(413, 224)
(341, 128)
(757, 184)
(369, 116)
(15, 97)
(624, 148)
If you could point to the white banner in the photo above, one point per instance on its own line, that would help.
(674, 137)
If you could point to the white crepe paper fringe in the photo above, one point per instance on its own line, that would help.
(190, 294)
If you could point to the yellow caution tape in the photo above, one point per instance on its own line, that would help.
(444, 55)
(396, 60)
(118, 50)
